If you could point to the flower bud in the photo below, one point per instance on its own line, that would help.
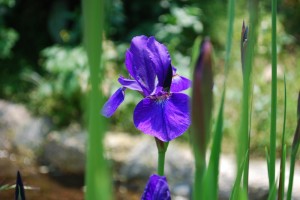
(244, 41)
(157, 188)
(202, 97)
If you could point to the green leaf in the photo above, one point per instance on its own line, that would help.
(283, 151)
(98, 180)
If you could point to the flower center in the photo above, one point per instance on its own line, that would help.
(160, 97)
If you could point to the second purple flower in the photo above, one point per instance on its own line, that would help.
(163, 112)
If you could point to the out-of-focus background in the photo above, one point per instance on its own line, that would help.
(44, 84)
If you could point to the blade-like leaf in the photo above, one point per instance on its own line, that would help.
(212, 172)
(294, 150)
(19, 190)
(283, 151)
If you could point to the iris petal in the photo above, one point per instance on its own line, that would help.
(113, 103)
(180, 83)
(130, 84)
(140, 65)
(129, 62)
(156, 189)
(165, 119)
(160, 58)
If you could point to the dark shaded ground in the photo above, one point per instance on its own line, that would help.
(42, 185)
(53, 186)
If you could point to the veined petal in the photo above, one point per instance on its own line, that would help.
(113, 103)
(140, 65)
(164, 118)
(160, 57)
(180, 83)
(130, 84)
(157, 189)
(129, 62)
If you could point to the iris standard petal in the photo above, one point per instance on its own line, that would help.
(180, 83)
(130, 84)
(140, 65)
(164, 118)
(113, 103)
(156, 189)
(129, 62)
(160, 57)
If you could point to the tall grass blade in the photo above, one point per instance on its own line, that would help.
(195, 53)
(97, 180)
(212, 172)
(294, 150)
(231, 14)
(272, 192)
(268, 160)
(281, 192)
(273, 97)
(243, 136)
(5, 187)
(237, 192)
(283, 151)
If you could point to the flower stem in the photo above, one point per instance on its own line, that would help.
(162, 148)
(161, 163)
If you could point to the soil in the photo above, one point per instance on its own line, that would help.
(53, 186)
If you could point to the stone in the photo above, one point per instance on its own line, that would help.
(20, 132)
(141, 162)
(64, 151)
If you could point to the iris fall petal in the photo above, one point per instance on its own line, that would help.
(113, 103)
(165, 119)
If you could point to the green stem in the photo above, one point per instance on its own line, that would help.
(283, 151)
(97, 179)
(295, 148)
(162, 149)
(273, 97)
(161, 163)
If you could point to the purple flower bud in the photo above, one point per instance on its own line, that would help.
(157, 188)
(244, 41)
(202, 97)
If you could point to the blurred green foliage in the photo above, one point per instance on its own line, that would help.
(59, 93)
(8, 36)
(291, 16)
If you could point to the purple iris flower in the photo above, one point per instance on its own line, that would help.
(163, 112)
(157, 189)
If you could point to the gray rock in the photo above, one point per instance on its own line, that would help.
(20, 132)
(182, 191)
(64, 151)
(142, 162)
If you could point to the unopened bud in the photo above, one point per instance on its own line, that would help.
(244, 41)
(202, 97)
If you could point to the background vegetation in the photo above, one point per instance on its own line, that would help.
(43, 64)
